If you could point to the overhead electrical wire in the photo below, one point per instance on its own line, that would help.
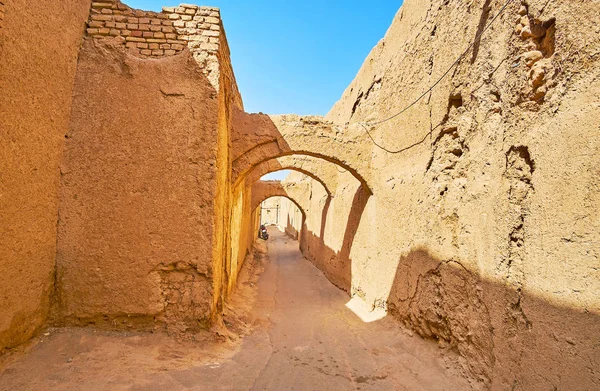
(438, 81)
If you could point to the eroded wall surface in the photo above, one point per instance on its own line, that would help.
(482, 228)
(145, 196)
(36, 80)
(138, 189)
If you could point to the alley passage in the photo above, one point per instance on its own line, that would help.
(315, 343)
(304, 339)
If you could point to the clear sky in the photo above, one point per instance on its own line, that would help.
(296, 56)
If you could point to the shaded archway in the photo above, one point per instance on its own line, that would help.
(263, 190)
(287, 163)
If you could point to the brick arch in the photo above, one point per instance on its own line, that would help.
(258, 138)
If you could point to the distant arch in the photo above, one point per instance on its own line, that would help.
(271, 166)
(262, 191)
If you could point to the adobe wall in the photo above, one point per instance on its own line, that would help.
(2, 12)
(36, 80)
(144, 193)
(482, 230)
(150, 34)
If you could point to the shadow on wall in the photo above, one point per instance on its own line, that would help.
(510, 339)
(290, 230)
(337, 265)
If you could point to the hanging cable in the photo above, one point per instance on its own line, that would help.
(430, 89)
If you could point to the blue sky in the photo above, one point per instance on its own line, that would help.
(296, 56)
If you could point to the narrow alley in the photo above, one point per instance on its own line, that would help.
(305, 339)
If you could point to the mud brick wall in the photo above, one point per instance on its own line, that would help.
(153, 35)
(2, 12)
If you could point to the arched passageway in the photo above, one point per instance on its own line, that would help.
(258, 138)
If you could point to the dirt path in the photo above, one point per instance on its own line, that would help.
(304, 339)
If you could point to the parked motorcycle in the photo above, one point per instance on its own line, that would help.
(263, 233)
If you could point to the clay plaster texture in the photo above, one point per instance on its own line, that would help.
(137, 193)
(472, 218)
(36, 79)
(479, 228)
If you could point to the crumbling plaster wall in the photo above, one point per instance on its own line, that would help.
(145, 195)
(482, 231)
(36, 80)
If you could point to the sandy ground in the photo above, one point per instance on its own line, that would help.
(297, 334)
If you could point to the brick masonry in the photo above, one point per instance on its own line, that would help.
(155, 35)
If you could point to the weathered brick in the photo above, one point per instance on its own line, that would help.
(144, 21)
(177, 46)
(210, 33)
(125, 33)
(131, 45)
(132, 26)
(186, 17)
(135, 39)
(137, 33)
(104, 31)
(96, 24)
(154, 46)
(133, 20)
(215, 27)
(170, 36)
(155, 40)
(144, 27)
(156, 22)
(179, 23)
(107, 11)
(155, 28)
(159, 35)
(180, 10)
(169, 10)
(121, 26)
(145, 52)
(176, 42)
(109, 24)
(115, 32)
(92, 31)
(170, 52)
(103, 18)
(148, 34)
(142, 45)
(101, 5)
(173, 16)
(168, 29)
(157, 52)
(190, 11)
(212, 19)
